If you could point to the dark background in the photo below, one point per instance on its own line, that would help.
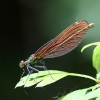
(26, 25)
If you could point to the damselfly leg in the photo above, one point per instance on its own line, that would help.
(43, 67)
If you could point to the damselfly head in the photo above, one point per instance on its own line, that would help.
(22, 64)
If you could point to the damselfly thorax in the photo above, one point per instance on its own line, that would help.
(31, 60)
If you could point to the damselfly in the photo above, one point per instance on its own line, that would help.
(66, 41)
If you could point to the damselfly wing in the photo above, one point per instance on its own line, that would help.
(66, 41)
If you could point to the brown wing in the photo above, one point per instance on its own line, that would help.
(65, 41)
(65, 47)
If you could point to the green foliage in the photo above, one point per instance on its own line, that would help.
(44, 78)
(95, 58)
(96, 55)
(91, 93)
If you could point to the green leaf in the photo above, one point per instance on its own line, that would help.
(96, 58)
(98, 77)
(84, 94)
(88, 45)
(44, 78)
(96, 55)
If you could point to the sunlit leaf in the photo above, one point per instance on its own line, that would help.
(98, 77)
(44, 78)
(96, 58)
(91, 93)
(96, 55)
(88, 45)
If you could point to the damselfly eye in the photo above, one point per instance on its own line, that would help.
(22, 64)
